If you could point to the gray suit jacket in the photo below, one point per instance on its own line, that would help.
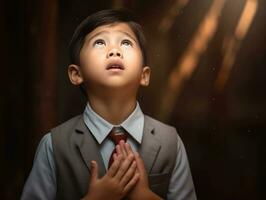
(74, 148)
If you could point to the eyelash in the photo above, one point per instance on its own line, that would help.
(129, 43)
(102, 42)
(99, 41)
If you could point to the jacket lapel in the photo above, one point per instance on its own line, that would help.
(89, 148)
(150, 146)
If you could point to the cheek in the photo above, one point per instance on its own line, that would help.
(135, 57)
(92, 59)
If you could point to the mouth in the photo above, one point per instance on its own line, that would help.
(115, 66)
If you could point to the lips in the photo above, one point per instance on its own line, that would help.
(115, 65)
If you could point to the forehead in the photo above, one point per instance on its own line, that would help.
(119, 28)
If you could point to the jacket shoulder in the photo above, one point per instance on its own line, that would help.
(67, 125)
(158, 124)
(165, 133)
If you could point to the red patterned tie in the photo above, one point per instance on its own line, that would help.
(116, 134)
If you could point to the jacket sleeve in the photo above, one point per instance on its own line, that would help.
(41, 183)
(181, 185)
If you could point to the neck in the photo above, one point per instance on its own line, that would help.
(114, 107)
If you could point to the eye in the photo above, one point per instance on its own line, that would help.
(99, 43)
(126, 43)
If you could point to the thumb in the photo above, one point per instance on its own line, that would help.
(94, 171)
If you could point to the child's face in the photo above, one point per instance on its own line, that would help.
(111, 57)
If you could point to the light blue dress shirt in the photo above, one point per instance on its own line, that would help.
(41, 183)
(100, 129)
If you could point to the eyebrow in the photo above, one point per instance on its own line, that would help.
(96, 34)
(130, 36)
(101, 32)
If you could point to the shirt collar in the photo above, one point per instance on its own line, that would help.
(100, 128)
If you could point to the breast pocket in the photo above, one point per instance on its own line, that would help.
(159, 183)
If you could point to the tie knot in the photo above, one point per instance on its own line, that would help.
(117, 134)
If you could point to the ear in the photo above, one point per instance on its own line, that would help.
(145, 76)
(74, 74)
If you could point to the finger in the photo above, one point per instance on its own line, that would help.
(118, 150)
(115, 156)
(128, 149)
(131, 183)
(129, 174)
(123, 149)
(94, 171)
(124, 166)
(115, 166)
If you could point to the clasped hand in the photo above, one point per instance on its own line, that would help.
(125, 178)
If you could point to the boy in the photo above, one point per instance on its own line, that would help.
(108, 59)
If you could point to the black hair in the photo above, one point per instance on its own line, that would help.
(101, 18)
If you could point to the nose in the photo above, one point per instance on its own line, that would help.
(114, 52)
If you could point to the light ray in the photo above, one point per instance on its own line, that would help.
(186, 66)
(230, 53)
(168, 21)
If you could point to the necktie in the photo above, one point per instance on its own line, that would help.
(116, 135)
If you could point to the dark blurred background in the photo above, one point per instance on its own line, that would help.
(208, 62)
